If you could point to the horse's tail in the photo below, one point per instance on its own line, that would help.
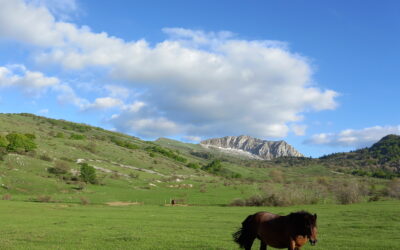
(246, 235)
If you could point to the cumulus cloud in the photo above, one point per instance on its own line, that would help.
(62, 9)
(194, 82)
(31, 82)
(103, 103)
(354, 138)
(67, 95)
(117, 91)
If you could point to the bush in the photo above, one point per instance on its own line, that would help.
(133, 175)
(393, 188)
(3, 142)
(204, 155)
(214, 167)
(45, 157)
(3, 152)
(167, 153)
(84, 201)
(272, 196)
(88, 173)
(277, 176)
(238, 202)
(20, 142)
(44, 198)
(347, 192)
(193, 165)
(60, 168)
(77, 137)
(123, 143)
(59, 135)
(6, 197)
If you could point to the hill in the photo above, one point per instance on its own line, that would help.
(382, 159)
(42, 159)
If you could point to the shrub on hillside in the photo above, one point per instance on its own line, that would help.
(77, 137)
(45, 157)
(88, 174)
(193, 165)
(20, 142)
(43, 198)
(288, 196)
(60, 168)
(123, 143)
(348, 192)
(166, 152)
(6, 197)
(3, 142)
(277, 176)
(393, 188)
(213, 167)
(84, 201)
(204, 155)
(59, 135)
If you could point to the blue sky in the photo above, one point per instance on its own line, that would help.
(321, 75)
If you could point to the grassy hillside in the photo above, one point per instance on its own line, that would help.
(381, 160)
(46, 204)
(130, 169)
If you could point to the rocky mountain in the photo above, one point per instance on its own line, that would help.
(251, 147)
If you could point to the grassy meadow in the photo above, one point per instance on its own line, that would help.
(43, 210)
(27, 225)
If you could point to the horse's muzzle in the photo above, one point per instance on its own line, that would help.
(313, 242)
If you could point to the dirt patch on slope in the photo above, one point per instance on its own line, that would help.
(122, 203)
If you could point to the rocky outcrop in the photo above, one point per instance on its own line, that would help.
(252, 147)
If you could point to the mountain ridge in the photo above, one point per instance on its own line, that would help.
(252, 147)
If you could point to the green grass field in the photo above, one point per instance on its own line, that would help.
(131, 173)
(27, 225)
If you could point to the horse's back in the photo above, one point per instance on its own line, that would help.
(272, 229)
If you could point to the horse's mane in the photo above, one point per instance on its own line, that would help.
(302, 222)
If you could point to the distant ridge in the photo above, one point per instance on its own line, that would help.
(252, 147)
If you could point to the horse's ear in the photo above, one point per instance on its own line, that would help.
(315, 216)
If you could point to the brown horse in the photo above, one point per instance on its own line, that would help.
(291, 231)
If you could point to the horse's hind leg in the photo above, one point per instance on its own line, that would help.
(248, 244)
(263, 246)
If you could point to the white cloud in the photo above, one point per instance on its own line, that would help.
(67, 95)
(354, 138)
(31, 82)
(104, 103)
(192, 138)
(117, 91)
(63, 9)
(147, 127)
(134, 107)
(195, 82)
(299, 129)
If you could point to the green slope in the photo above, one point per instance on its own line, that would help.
(130, 169)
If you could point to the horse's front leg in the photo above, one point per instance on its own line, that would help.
(263, 246)
(293, 245)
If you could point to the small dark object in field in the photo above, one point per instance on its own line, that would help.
(291, 231)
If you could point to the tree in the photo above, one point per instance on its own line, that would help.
(88, 173)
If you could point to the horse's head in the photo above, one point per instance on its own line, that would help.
(312, 227)
(305, 224)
